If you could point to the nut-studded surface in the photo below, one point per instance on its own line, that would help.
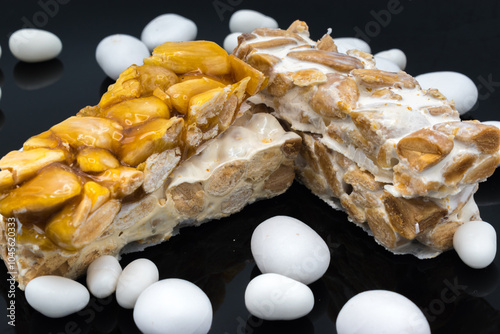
(395, 157)
(96, 181)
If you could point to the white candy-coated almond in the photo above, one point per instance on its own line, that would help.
(349, 43)
(168, 28)
(286, 246)
(381, 311)
(397, 56)
(455, 86)
(102, 276)
(277, 297)
(173, 306)
(134, 279)
(116, 53)
(56, 296)
(246, 20)
(34, 45)
(386, 64)
(231, 41)
(476, 244)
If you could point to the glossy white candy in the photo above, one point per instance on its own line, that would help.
(56, 296)
(246, 20)
(168, 28)
(116, 53)
(286, 246)
(476, 244)
(34, 45)
(134, 279)
(102, 276)
(396, 56)
(386, 64)
(381, 311)
(455, 86)
(277, 297)
(231, 41)
(0, 51)
(173, 306)
(349, 43)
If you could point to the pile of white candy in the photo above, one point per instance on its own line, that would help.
(165, 306)
(117, 52)
(290, 255)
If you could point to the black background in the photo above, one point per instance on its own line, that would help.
(462, 36)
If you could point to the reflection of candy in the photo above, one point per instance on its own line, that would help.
(35, 76)
(34, 45)
(478, 284)
(2, 118)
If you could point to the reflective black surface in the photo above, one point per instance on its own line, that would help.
(462, 36)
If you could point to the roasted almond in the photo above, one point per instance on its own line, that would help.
(337, 61)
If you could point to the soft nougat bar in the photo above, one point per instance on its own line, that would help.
(171, 143)
(395, 157)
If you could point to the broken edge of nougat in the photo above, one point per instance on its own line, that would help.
(395, 157)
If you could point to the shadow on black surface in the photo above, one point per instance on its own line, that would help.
(2, 79)
(33, 76)
(213, 254)
(488, 193)
(2, 119)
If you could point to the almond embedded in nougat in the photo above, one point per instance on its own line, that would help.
(336, 97)
(410, 217)
(424, 148)
(374, 78)
(337, 61)
(486, 138)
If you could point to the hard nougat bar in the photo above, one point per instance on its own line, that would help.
(397, 158)
(171, 143)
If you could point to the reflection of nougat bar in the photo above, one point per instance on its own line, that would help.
(395, 157)
(171, 142)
